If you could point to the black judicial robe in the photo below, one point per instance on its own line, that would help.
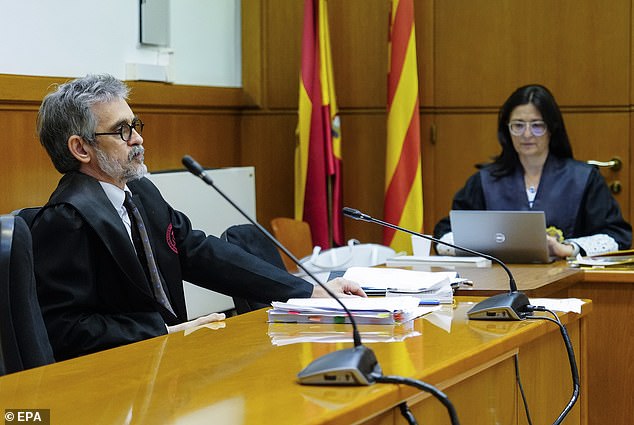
(572, 194)
(92, 288)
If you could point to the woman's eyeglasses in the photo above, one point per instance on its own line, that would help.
(518, 128)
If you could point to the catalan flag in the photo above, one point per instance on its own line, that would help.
(403, 174)
(318, 184)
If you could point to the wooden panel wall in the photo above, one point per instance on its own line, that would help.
(484, 50)
(202, 122)
(471, 55)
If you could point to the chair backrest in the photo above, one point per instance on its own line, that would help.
(249, 238)
(24, 341)
(28, 214)
(295, 236)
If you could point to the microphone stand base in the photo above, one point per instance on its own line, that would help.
(352, 366)
(507, 306)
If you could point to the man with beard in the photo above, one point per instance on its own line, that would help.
(110, 253)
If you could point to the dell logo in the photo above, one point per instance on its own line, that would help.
(500, 238)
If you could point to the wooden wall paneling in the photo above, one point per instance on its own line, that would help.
(27, 176)
(424, 10)
(630, 181)
(425, 45)
(268, 143)
(631, 114)
(253, 70)
(25, 90)
(212, 138)
(608, 325)
(358, 32)
(427, 121)
(463, 140)
(282, 49)
(485, 49)
(202, 121)
(363, 149)
(358, 36)
(178, 98)
(602, 135)
(20, 92)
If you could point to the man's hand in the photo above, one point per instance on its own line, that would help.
(340, 287)
(213, 317)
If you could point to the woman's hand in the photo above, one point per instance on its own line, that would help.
(559, 249)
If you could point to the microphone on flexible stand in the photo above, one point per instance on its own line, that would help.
(507, 306)
(351, 366)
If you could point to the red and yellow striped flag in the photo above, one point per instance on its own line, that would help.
(318, 184)
(403, 174)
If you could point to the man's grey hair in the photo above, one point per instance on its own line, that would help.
(67, 111)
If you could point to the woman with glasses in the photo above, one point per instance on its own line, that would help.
(536, 171)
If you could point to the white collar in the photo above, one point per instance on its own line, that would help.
(115, 194)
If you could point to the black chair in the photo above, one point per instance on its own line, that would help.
(28, 214)
(24, 343)
(249, 238)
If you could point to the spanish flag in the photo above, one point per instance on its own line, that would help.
(318, 178)
(403, 174)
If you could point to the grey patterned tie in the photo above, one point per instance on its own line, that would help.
(155, 277)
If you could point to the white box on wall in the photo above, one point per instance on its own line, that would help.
(147, 72)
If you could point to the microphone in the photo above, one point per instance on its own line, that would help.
(351, 366)
(508, 306)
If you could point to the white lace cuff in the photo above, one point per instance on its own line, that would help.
(444, 249)
(596, 244)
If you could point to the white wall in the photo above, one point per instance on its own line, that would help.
(209, 212)
(71, 38)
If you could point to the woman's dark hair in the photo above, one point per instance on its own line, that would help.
(544, 101)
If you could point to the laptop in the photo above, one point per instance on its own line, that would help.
(512, 236)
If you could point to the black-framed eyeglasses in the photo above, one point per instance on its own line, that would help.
(125, 132)
(538, 128)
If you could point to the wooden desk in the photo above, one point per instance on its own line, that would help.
(235, 375)
(609, 330)
(535, 280)
(610, 344)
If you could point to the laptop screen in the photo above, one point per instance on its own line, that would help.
(511, 236)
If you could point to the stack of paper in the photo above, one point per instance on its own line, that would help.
(439, 295)
(429, 287)
(377, 280)
(616, 259)
(375, 311)
(437, 261)
(559, 304)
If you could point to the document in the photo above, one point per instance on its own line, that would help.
(375, 279)
(616, 259)
(440, 295)
(375, 310)
(565, 304)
